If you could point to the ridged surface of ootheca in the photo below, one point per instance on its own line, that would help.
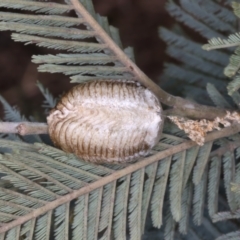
(106, 121)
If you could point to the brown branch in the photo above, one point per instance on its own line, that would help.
(122, 57)
(186, 107)
(116, 175)
(23, 128)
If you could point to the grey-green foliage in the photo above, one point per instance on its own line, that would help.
(12, 114)
(196, 67)
(233, 40)
(93, 59)
(230, 236)
(176, 186)
(110, 208)
(49, 102)
(39, 174)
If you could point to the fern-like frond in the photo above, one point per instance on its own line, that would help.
(120, 210)
(234, 188)
(232, 68)
(191, 156)
(71, 46)
(150, 173)
(63, 33)
(215, 43)
(195, 62)
(192, 47)
(79, 221)
(201, 162)
(213, 185)
(12, 114)
(50, 101)
(186, 18)
(236, 8)
(217, 97)
(223, 216)
(186, 207)
(159, 191)
(189, 77)
(81, 59)
(107, 210)
(135, 206)
(234, 85)
(201, 12)
(199, 199)
(52, 20)
(39, 7)
(229, 175)
(233, 40)
(195, 67)
(169, 231)
(230, 236)
(69, 70)
(221, 11)
(236, 98)
(54, 194)
(176, 180)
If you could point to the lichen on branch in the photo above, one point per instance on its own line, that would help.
(197, 129)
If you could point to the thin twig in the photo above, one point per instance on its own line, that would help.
(186, 107)
(195, 111)
(122, 57)
(116, 175)
(23, 128)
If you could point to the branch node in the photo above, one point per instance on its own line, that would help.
(21, 129)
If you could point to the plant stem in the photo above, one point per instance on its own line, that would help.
(23, 128)
(115, 176)
(186, 107)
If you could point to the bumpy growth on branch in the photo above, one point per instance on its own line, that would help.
(197, 130)
(107, 121)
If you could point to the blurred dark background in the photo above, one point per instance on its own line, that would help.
(138, 22)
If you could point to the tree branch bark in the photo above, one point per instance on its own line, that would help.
(23, 128)
(116, 175)
(186, 107)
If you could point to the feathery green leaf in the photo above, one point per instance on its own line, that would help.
(39, 7)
